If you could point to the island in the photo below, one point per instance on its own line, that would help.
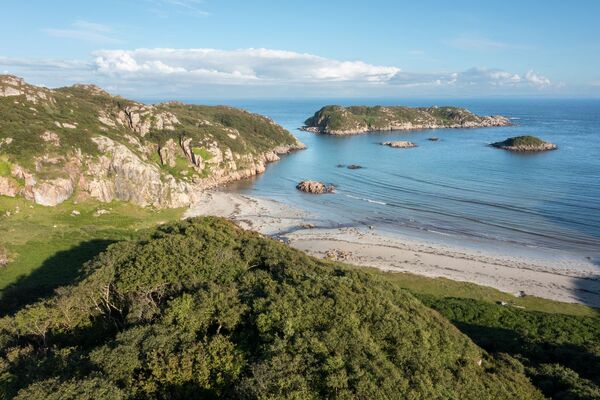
(524, 144)
(339, 120)
(81, 142)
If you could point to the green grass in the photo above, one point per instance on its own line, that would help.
(48, 245)
(202, 152)
(442, 287)
(4, 166)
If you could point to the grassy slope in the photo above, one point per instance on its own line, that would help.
(48, 245)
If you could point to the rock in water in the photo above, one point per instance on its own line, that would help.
(433, 139)
(314, 187)
(400, 144)
(525, 144)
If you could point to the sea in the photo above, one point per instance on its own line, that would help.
(458, 190)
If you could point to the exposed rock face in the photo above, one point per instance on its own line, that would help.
(399, 144)
(110, 148)
(8, 186)
(525, 144)
(314, 187)
(338, 120)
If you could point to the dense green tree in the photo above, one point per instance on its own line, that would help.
(202, 309)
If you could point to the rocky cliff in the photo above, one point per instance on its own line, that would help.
(338, 120)
(81, 142)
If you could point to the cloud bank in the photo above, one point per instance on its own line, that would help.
(150, 71)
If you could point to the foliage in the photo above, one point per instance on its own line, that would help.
(523, 141)
(561, 352)
(202, 309)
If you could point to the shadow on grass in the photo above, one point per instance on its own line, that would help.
(536, 352)
(63, 268)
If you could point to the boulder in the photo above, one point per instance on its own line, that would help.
(399, 144)
(314, 187)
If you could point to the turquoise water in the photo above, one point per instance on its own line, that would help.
(457, 189)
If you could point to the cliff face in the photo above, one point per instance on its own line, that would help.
(338, 120)
(80, 141)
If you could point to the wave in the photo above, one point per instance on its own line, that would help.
(367, 200)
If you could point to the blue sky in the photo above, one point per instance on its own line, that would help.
(258, 48)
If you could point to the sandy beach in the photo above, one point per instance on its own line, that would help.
(372, 248)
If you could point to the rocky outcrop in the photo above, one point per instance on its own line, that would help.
(399, 144)
(314, 187)
(9, 187)
(338, 120)
(525, 144)
(108, 148)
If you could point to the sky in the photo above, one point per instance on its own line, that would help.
(329, 48)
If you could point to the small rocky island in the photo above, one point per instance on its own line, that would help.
(525, 144)
(314, 187)
(338, 120)
(399, 144)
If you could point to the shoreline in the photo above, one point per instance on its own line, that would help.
(374, 248)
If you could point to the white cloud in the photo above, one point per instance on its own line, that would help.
(537, 79)
(86, 31)
(235, 66)
(183, 72)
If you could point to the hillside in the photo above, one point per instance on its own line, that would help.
(203, 308)
(338, 120)
(81, 142)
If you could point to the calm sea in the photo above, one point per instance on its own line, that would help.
(457, 189)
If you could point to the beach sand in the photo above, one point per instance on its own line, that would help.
(373, 248)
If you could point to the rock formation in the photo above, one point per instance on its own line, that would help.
(399, 144)
(314, 187)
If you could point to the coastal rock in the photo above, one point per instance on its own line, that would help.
(338, 120)
(433, 139)
(399, 144)
(525, 144)
(161, 155)
(314, 187)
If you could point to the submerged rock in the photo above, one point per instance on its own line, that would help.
(354, 166)
(433, 139)
(525, 144)
(400, 144)
(314, 187)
